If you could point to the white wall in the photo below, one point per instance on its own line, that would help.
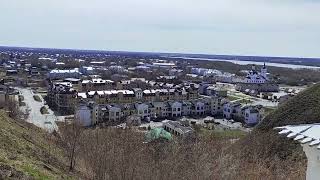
(83, 115)
(176, 109)
(252, 118)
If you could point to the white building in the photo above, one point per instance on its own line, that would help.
(176, 109)
(163, 65)
(198, 108)
(62, 74)
(83, 115)
(231, 110)
(159, 106)
(87, 70)
(114, 112)
(255, 77)
(142, 110)
(251, 116)
(309, 137)
(186, 108)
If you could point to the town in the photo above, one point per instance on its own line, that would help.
(161, 90)
(100, 90)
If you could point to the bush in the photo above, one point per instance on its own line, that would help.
(37, 98)
(44, 110)
(21, 103)
(21, 98)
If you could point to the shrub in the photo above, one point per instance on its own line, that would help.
(44, 110)
(37, 98)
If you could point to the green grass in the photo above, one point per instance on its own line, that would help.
(37, 98)
(233, 98)
(36, 173)
(44, 110)
(268, 110)
(245, 101)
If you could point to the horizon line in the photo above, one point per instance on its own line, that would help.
(154, 52)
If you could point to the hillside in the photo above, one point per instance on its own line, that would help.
(281, 156)
(26, 152)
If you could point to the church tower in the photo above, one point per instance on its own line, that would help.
(264, 71)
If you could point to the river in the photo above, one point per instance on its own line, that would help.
(292, 66)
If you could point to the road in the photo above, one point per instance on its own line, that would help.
(45, 121)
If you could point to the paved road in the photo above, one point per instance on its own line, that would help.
(45, 121)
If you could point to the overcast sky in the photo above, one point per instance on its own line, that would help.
(242, 27)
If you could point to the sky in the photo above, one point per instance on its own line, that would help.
(237, 27)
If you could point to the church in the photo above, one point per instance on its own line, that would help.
(255, 77)
(256, 82)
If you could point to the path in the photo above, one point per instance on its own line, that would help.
(45, 121)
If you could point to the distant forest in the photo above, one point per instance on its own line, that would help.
(75, 52)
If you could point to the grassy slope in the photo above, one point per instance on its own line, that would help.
(27, 152)
(282, 157)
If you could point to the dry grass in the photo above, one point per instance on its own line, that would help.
(29, 151)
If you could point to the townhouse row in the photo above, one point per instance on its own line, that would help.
(250, 115)
(63, 98)
(91, 113)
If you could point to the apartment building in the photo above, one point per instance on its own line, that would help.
(62, 74)
(250, 115)
(62, 97)
(97, 85)
(137, 95)
(154, 110)
(232, 110)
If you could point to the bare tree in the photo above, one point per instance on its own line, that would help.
(71, 135)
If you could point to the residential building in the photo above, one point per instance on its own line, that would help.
(83, 115)
(63, 74)
(186, 108)
(252, 115)
(198, 108)
(142, 110)
(232, 110)
(62, 97)
(86, 70)
(176, 108)
(176, 128)
(97, 85)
